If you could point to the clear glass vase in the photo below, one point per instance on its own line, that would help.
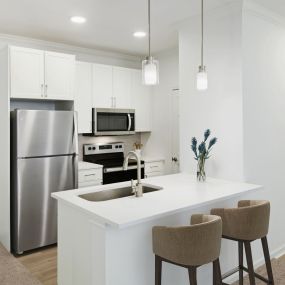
(201, 174)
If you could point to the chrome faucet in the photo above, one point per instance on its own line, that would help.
(137, 188)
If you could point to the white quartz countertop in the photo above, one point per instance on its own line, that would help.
(83, 165)
(180, 192)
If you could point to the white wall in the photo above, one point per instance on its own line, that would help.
(219, 108)
(158, 142)
(264, 120)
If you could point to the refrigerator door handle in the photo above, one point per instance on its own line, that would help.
(75, 133)
(75, 168)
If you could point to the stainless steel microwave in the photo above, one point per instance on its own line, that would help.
(113, 122)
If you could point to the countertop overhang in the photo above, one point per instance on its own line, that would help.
(181, 192)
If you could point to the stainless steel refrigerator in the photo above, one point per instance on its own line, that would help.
(44, 159)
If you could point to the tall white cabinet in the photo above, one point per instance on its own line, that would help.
(141, 102)
(103, 86)
(122, 82)
(83, 96)
(38, 74)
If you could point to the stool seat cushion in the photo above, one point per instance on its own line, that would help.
(249, 221)
(192, 245)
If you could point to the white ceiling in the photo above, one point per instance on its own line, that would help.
(110, 23)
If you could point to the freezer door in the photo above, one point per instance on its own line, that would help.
(44, 133)
(34, 211)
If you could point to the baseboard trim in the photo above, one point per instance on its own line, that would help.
(274, 254)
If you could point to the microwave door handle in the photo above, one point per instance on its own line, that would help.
(130, 122)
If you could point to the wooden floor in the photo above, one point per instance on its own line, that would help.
(42, 264)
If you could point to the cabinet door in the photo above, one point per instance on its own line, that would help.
(59, 76)
(102, 86)
(141, 102)
(26, 73)
(122, 81)
(83, 96)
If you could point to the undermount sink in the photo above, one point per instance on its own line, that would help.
(117, 193)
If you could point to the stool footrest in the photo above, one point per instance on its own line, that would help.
(245, 269)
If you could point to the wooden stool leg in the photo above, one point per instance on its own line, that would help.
(158, 267)
(240, 256)
(217, 275)
(249, 262)
(267, 260)
(192, 275)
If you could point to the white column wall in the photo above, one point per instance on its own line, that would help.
(219, 108)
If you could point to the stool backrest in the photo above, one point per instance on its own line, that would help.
(193, 245)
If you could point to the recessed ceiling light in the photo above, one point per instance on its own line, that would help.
(139, 34)
(78, 19)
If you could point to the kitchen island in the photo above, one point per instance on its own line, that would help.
(110, 242)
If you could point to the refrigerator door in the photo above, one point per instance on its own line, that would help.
(45, 133)
(34, 211)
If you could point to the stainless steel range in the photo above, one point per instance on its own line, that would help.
(111, 156)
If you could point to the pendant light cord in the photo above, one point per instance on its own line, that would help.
(202, 33)
(149, 36)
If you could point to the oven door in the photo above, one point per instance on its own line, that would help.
(117, 174)
(113, 121)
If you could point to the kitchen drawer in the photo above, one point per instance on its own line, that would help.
(90, 183)
(153, 174)
(87, 175)
(155, 166)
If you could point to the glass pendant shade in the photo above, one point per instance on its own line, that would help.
(202, 79)
(150, 71)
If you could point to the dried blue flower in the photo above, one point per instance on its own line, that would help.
(206, 134)
(202, 148)
(212, 142)
(194, 146)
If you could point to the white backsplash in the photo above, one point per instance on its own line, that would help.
(127, 140)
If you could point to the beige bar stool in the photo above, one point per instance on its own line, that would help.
(189, 247)
(248, 222)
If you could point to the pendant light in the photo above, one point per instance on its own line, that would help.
(150, 66)
(202, 77)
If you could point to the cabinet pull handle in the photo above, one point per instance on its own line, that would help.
(42, 90)
(46, 87)
(87, 175)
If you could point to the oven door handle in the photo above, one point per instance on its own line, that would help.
(118, 169)
(130, 122)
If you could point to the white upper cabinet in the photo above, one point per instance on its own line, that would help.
(122, 81)
(26, 73)
(83, 96)
(103, 86)
(141, 102)
(37, 74)
(59, 75)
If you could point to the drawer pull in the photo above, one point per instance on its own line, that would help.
(87, 175)
(154, 166)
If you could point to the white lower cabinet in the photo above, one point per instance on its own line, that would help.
(83, 97)
(89, 174)
(154, 167)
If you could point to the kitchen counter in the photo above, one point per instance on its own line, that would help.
(83, 165)
(110, 242)
(180, 192)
